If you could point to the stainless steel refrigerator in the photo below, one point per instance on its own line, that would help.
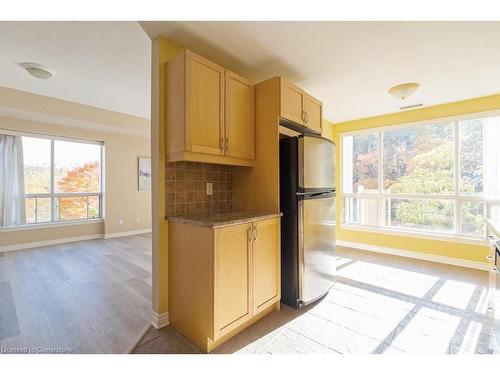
(307, 200)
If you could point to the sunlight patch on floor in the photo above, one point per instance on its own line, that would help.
(429, 331)
(455, 293)
(409, 282)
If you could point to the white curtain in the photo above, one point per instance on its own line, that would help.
(12, 205)
(492, 166)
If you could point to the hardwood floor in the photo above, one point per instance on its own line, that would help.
(81, 297)
(380, 304)
(95, 297)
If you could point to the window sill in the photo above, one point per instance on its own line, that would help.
(425, 235)
(50, 225)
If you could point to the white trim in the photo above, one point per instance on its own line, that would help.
(134, 344)
(30, 245)
(433, 236)
(124, 234)
(159, 320)
(47, 225)
(32, 134)
(457, 217)
(417, 255)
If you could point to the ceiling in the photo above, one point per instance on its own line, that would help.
(102, 64)
(351, 65)
(348, 65)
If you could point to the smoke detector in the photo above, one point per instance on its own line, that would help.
(37, 70)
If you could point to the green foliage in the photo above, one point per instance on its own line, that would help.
(421, 161)
(428, 173)
(424, 214)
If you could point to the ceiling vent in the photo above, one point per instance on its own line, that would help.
(411, 106)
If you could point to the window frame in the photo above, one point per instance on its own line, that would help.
(382, 196)
(52, 194)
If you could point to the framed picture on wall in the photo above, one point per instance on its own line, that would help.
(144, 174)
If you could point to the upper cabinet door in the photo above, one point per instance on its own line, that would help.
(239, 135)
(266, 263)
(204, 105)
(291, 102)
(232, 277)
(313, 113)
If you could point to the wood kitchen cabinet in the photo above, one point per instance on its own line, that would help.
(239, 121)
(221, 280)
(209, 112)
(266, 277)
(299, 107)
(232, 277)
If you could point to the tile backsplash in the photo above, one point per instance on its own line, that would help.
(186, 187)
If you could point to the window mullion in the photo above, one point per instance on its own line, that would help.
(52, 199)
(457, 220)
(381, 202)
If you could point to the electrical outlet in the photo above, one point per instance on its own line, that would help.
(120, 221)
(210, 188)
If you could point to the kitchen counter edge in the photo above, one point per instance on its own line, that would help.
(233, 218)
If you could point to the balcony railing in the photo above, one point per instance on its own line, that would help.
(46, 208)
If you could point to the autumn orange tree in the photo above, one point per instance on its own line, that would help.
(80, 179)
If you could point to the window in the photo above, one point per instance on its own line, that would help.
(62, 180)
(421, 178)
(362, 174)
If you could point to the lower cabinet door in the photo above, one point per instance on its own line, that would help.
(266, 263)
(232, 277)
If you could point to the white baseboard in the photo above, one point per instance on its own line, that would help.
(134, 344)
(125, 234)
(30, 245)
(416, 255)
(159, 320)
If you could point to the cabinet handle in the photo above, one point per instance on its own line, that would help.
(227, 144)
(249, 234)
(305, 116)
(222, 144)
(255, 233)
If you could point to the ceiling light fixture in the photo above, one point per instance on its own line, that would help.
(404, 90)
(37, 70)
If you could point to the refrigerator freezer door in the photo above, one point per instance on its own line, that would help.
(316, 248)
(316, 164)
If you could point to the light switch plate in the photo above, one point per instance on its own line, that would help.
(210, 188)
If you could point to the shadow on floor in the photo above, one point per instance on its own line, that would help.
(379, 304)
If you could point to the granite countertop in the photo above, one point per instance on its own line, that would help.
(493, 226)
(222, 219)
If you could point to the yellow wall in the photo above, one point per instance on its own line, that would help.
(162, 51)
(443, 248)
(125, 138)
